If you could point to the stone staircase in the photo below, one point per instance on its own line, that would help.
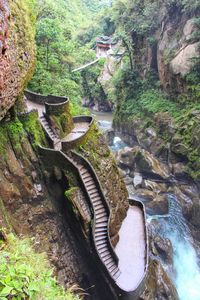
(101, 211)
(52, 135)
(65, 158)
(101, 221)
(48, 129)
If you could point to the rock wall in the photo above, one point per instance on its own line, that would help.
(17, 51)
(171, 49)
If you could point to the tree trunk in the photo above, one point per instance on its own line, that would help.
(47, 56)
(129, 53)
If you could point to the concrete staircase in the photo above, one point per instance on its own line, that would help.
(52, 135)
(101, 220)
(48, 129)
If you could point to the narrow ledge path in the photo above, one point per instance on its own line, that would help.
(78, 130)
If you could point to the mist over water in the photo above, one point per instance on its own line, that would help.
(105, 125)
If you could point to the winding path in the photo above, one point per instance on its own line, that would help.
(127, 264)
(78, 130)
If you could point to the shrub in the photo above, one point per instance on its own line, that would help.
(25, 274)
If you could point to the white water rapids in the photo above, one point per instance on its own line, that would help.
(185, 260)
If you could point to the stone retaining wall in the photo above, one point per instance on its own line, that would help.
(41, 99)
(53, 104)
(82, 139)
(89, 167)
(64, 162)
(58, 108)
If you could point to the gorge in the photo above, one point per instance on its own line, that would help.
(99, 149)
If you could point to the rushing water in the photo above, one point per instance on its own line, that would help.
(186, 275)
(185, 260)
(118, 144)
(105, 123)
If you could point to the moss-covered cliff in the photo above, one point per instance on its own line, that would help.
(41, 202)
(17, 51)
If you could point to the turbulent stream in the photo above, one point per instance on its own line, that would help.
(186, 271)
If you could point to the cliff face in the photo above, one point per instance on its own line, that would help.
(32, 203)
(172, 49)
(163, 91)
(17, 51)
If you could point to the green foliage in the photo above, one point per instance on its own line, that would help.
(11, 131)
(91, 87)
(57, 50)
(15, 129)
(33, 127)
(195, 36)
(190, 5)
(193, 80)
(70, 193)
(93, 148)
(189, 136)
(139, 17)
(148, 103)
(3, 140)
(153, 102)
(101, 62)
(77, 110)
(25, 274)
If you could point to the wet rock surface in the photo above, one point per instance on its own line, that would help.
(158, 285)
(153, 180)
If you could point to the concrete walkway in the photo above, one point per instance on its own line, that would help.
(79, 130)
(31, 105)
(131, 250)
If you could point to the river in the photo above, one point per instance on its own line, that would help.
(186, 273)
(104, 119)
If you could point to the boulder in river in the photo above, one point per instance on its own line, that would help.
(141, 161)
(159, 205)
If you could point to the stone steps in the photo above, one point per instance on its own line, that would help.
(48, 129)
(101, 234)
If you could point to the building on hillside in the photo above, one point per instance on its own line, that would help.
(104, 46)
